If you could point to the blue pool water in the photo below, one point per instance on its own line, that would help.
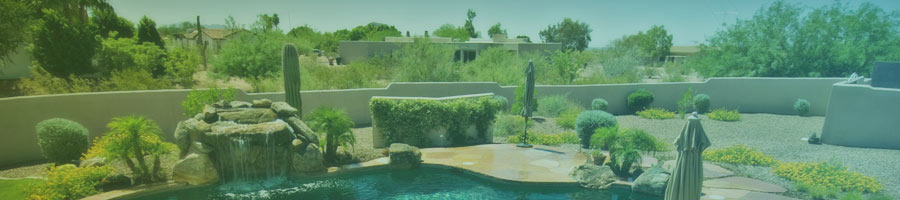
(423, 183)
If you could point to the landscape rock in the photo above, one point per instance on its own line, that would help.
(310, 160)
(653, 181)
(404, 156)
(93, 162)
(248, 116)
(302, 131)
(240, 104)
(209, 114)
(262, 103)
(594, 176)
(283, 109)
(195, 169)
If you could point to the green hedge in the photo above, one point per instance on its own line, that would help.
(408, 120)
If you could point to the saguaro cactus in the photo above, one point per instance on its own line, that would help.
(290, 62)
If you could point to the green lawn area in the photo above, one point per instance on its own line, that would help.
(13, 189)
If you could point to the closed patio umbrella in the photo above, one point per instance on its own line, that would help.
(529, 99)
(687, 178)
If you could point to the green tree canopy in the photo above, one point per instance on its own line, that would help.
(107, 22)
(252, 56)
(147, 33)
(450, 31)
(63, 48)
(268, 23)
(373, 32)
(177, 28)
(785, 40)
(16, 15)
(572, 34)
(126, 53)
(496, 30)
(524, 37)
(469, 27)
(655, 43)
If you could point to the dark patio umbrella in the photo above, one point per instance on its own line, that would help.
(687, 179)
(529, 99)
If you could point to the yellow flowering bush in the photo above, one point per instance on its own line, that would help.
(723, 114)
(827, 175)
(547, 139)
(68, 182)
(656, 113)
(739, 154)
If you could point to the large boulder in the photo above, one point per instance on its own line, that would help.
(302, 131)
(248, 116)
(195, 169)
(284, 109)
(594, 176)
(307, 157)
(653, 181)
(403, 156)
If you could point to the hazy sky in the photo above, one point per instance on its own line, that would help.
(690, 21)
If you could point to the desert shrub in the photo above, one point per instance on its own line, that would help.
(118, 54)
(588, 121)
(506, 125)
(599, 104)
(827, 175)
(656, 113)
(639, 100)
(608, 137)
(686, 102)
(701, 103)
(604, 138)
(552, 106)
(318, 76)
(422, 61)
(42, 82)
(496, 64)
(739, 154)
(62, 140)
(567, 118)
(567, 137)
(197, 99)
(853, 196)
(135, 79)
(520, 101)
(181, 65)
(335, 126)
(801, 106)
(822, 193)
(504, 102)
(132, 139)
(723, 114)
(68, 182)
(393, 117)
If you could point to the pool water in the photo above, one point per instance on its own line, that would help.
(423, 183)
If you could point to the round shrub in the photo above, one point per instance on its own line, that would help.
(701, 103)
(588, 121)
(640, 100)
(504, 102)
(801, 106)
(62, 140)
(599, 104)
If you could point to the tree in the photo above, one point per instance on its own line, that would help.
(63, 48)
(147, 33)
(450, 31)
(496, 30)
(74, 11)
(268, 23)
(469, 27)
(572, 34)
(175, 29)
(251, 56)
(524, 37)
(16, 15)
(107, 22)
(231, 24)
(373, 32)
(655, 44)
(422, 61)
(181, 64)
(127, 54)
(784, 40)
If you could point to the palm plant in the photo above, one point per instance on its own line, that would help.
(132, 139)
(622, 158)
(335, 126)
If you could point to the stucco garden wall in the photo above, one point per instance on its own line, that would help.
(18, 115)
(860, 115)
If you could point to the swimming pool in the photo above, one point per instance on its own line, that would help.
(422, 183)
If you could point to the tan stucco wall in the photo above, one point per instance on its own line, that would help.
(860, 115)
(18, 115)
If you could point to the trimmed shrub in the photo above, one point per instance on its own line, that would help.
(599, 104)
(827, 175)
(69, 182)
(393, 117)
(588, 121)
(723, 114)
(801, 106)
(567, 137)
(739, 154)
(62, 140)
(656, 113)
(701, 103)
(504, 102)
(197, 99)
(506, 125)
(567, 118)
(639, 100)
(134, 140)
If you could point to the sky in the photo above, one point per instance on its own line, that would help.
(689, 21)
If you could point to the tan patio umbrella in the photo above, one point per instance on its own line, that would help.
(687, 178)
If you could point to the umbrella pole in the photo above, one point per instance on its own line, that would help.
(524, 143)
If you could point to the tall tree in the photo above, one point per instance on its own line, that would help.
(268, 23)
(63, 48)
(374, 32)
(449, 31)
(107, 22)
(16, 15)
(496, 30)
(75, 11)
(654, 44)
(147, 33)
(572, 34)
(469, 27)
